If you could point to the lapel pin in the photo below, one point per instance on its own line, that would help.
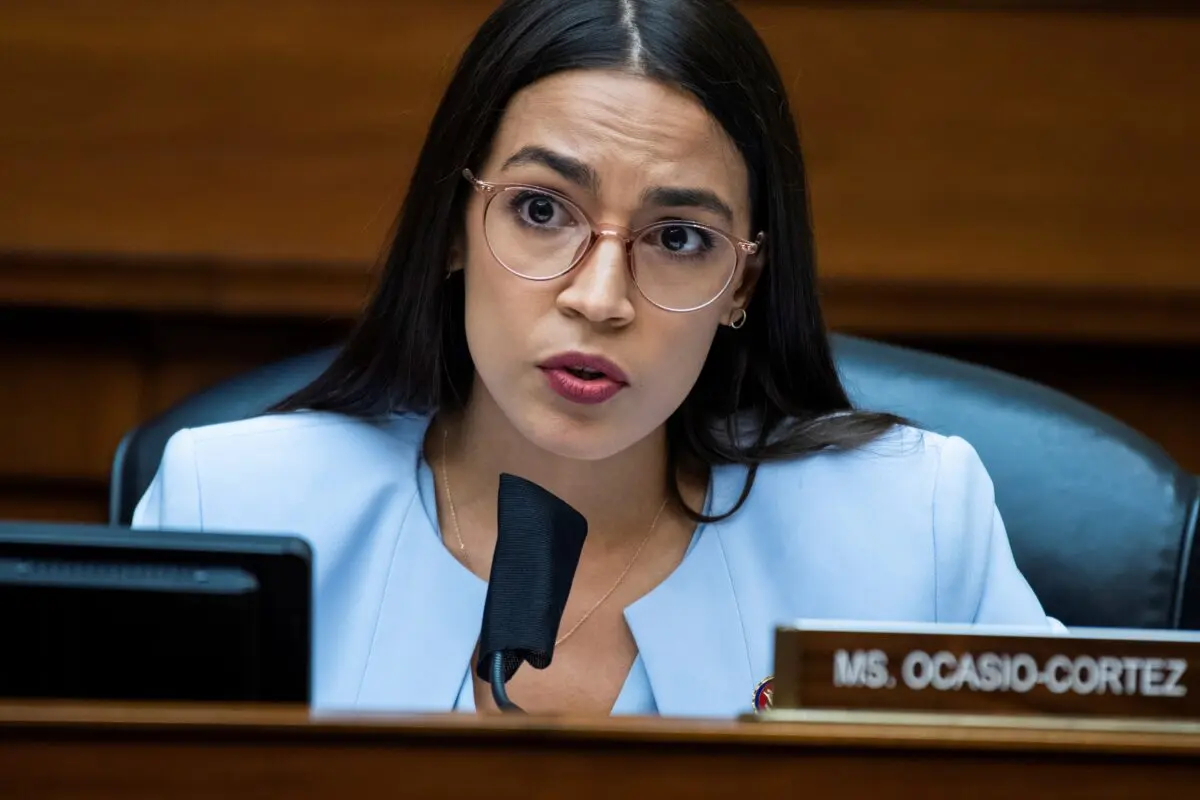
(764, 694)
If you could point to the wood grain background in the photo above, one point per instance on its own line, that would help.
(187, 190)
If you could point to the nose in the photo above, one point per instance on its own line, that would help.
(599, 287)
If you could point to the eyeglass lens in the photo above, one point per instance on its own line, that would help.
(677, 265)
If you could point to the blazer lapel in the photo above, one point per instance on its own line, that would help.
(428, 623)
(689, 630)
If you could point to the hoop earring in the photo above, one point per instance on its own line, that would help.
(737, 322)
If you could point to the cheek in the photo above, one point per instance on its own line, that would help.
(678, 357)
(484, 304)
(499, 308)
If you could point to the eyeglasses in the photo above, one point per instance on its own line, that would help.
(539, 234)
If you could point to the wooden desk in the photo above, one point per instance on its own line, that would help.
(63, 751)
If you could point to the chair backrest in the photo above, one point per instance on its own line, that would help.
(1102, 521)
(246, 395)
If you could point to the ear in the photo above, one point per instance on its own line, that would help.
(743, 292)
(456, 260)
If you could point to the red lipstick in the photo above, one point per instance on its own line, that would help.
(583, 378)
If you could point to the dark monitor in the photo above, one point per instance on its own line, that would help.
(107, 613)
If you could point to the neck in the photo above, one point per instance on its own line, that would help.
(618, 495)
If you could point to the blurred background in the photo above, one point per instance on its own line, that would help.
(189, 189)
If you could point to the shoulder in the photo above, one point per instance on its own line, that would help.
(295, 445)
(260, 473)
(924, 484)
(902, 526)
(906, 466)
(306, 427)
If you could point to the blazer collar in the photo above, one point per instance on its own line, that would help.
(689, 629)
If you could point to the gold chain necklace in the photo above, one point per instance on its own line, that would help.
(462, 547)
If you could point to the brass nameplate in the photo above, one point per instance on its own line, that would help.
(968, 669)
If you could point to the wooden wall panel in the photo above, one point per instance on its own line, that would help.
(992, 156)
(61, 403)
(276, 129)
(76, 382)
(1005, 149)
(53, 501)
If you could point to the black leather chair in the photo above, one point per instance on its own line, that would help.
(1102, 521)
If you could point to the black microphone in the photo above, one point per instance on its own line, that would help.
(538, 541)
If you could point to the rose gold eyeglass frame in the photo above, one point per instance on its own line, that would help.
(742, 249)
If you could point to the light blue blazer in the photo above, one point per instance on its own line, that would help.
(903, 530)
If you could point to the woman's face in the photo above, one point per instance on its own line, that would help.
(628, 152)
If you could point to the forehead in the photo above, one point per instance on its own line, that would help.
(632, 130)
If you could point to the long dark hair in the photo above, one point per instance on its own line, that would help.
(767, 391)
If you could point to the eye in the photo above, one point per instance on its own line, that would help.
(541, 211)
(684, 239)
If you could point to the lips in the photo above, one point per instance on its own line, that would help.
(597, 366)
(582, 378)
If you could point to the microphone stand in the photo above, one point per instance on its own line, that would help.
(499, 689)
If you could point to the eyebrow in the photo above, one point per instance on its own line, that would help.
(687, 198)
(582, 175)
(572, 169)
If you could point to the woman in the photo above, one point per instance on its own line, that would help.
(602, 281)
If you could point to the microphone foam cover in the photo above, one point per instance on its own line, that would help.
(538, 543)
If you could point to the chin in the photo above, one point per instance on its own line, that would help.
(581, 433)
(578, 439)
